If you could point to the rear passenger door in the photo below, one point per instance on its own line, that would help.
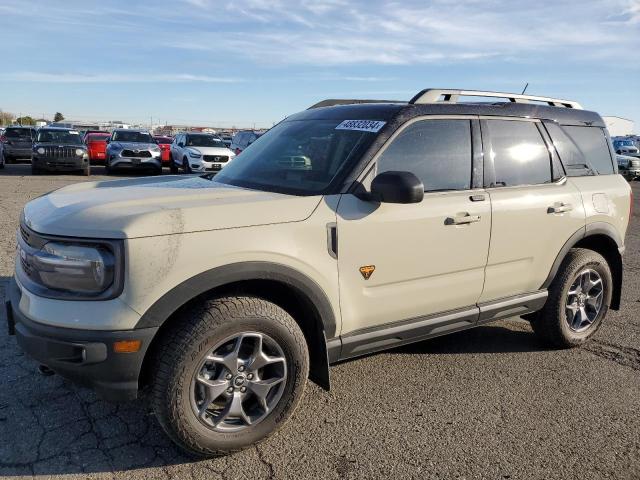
(535, 210)
(402, 262)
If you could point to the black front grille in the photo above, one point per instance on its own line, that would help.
(136, 153)
(26, 236)
(59, 152)
(28, 269)
(216, 158)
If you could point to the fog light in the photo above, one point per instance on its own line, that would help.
(127, 346)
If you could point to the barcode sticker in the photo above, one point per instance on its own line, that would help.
(361, 125)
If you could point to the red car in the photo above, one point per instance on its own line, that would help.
(97, 146)
(165, 146)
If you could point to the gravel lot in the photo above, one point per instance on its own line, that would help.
(486, 403)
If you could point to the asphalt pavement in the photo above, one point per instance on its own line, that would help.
(488, 403)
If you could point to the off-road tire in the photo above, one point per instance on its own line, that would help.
(550, 324)
(196, 330)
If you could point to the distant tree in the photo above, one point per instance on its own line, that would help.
(58, 117)
(25, 120)
(6, 118)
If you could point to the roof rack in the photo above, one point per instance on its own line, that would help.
(434, 95)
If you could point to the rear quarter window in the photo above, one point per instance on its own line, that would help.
(582, 150)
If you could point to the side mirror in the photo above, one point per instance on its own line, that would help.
(108, 139)
(397, 187)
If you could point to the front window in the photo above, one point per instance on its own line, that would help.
(21, 133)
(68, 137)
(163, 140)
(204, 141)
(300, 157)
(132, 137)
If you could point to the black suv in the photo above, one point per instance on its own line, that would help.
(16, 143)
(57, 149)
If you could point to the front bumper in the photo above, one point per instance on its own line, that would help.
(61, 164)
(142, 163)
(85, 357)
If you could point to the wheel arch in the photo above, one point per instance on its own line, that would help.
(600, 237)
(293, 291)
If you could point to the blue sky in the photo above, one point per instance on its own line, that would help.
(246, 62)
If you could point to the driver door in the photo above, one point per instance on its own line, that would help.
(410, 262)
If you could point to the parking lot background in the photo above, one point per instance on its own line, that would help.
(485, 403)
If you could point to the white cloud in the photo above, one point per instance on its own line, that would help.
(134, 77)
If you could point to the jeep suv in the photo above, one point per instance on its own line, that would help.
(344, 230)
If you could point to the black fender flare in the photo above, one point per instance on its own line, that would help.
(186, 291)
(592, 229)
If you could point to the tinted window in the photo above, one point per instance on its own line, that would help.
(59, 136)
(519, 154)
(132, 136)
(438, 152)
(204, 141)
(22, 133)
(583, 150)
(593, 144)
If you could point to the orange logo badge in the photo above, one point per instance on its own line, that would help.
(367, 271)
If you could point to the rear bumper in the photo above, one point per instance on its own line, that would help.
(85, 357)
(17, 152)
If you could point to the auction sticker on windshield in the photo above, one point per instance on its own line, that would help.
(361, 125)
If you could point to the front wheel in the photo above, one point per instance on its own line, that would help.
(229, 374)
(173, 168)
(185, 166)
(578, 302)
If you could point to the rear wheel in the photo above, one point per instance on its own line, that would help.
(229, 374)
(578, 302)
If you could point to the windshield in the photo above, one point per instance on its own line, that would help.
(18, 133)
(163, 140)
(59, 136)
(204, 141)
(301, 157)
(97, 138)
(132, 137)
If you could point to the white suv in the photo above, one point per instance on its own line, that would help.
(198, 153)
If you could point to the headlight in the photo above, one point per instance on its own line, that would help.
(79, 152)
(74, 270)
(40, 151)
(194, 154)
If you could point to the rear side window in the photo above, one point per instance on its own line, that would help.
(593, 146)
(438, 152)
(520, 156)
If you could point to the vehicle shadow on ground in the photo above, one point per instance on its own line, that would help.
(49, 426)
(23, 168)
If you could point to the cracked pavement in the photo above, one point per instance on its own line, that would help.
(485, 403)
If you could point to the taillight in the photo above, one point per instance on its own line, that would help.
(3, 138)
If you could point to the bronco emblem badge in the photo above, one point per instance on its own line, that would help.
(367, 270)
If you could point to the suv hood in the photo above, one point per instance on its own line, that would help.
(212, 151)
(133, 145)
(147, 207)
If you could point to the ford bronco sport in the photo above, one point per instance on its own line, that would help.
(348, 228)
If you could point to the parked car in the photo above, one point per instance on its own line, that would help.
(86, 133)
(59, 149)
(199, 152)
(16, 143)
(97, 146)
(626, 147)
(133, 149)
(165, 147)
(226, 139)
(629, 167)
(222, 294)
(242, 140)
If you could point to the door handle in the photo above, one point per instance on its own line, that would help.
(560, 207)
(462, 219)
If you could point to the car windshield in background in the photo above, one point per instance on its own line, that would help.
(97, 138)
(300, 157)
(132, 137)
(204, 141)
(17, 133)
(59, 136)
(163, 139)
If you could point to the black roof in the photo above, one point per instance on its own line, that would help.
(386, 111)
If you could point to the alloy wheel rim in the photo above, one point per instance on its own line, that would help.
(239, 382)
(584, 300)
